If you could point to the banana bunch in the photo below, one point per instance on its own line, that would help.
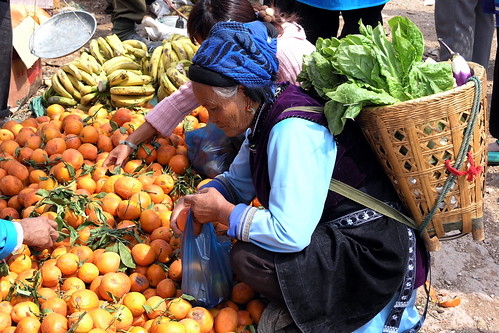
(128, 86)
(86, 79)
(169, 64)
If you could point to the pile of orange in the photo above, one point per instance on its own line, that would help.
(73, 287)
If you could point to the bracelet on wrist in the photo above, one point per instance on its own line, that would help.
(129, 144)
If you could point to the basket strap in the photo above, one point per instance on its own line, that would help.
(370, 202)
(461, 156)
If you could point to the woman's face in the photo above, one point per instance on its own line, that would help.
(229, 114)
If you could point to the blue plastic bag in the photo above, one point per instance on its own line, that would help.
(210, 151)
(206, 272)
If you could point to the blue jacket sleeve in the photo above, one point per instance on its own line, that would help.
(8, 238)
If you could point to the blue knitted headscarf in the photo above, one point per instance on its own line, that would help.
(237, 53)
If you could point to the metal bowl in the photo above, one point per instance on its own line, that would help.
(62, 34)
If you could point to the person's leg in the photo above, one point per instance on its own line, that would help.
(5, 57)
(455, 24)
(494, 112)
(318, 22)
(484, 32)
(125, 14)
(369, 16)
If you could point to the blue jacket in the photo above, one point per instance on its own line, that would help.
(343, 4)
(8, 238)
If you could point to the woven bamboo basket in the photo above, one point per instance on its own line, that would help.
(413, 139)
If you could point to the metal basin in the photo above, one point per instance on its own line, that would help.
(62, 34)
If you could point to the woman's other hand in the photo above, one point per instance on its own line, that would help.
(118, 156)
(39, 232)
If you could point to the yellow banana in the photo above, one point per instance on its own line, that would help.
(75, 82)
(145, 66)
(165, 57)
(84, 55)
(61, 100)
(88, 98)
(179, 49)
(117, 77)
(87, 90)
(124, 65)
(46, 94)
(114, 61)
(139, 53)
(94, 64)
(82, 65)
(133, 90)
(189, 48)
(176, 36)
(167, 85)
(115, 42)
(88, 79)
(137, 44)
(176, 77)
(96, 52)
(73, 70)
(105, 48)
(59, 88)
(128, 101)
(136, 80)
(161, 94)
(64, 80)
(154, 62)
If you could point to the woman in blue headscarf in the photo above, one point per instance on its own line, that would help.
(328, 263)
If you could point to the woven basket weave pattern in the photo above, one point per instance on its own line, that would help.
(413, 139)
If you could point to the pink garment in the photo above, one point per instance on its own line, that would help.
(292, 45)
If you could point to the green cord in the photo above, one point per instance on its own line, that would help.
(461, 156)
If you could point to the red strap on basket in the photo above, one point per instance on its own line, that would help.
(472, 171)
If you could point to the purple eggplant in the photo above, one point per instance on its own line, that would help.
(460, 68)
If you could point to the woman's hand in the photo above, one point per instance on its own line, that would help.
(39, 232)
(118, 156)
(208, 205)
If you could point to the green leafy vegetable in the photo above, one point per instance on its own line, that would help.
(368, 69)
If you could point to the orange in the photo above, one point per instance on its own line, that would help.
(10, 185)
(134, 301)
(9, 147)
(86, 183)
(68, 263)
(170, 327)
(139, 282)
(5, 320)
(24, 309)
(83, 300)
(255, 308)
(166, 182)
(28, 325)
(49, 132)
(117, 136)
(105, 144)
(102, 319)
(242, 293)
(55, 110)
(163, 233)
(72, 124)
(155, 274)
(5, 134)
(89, 134)
(36, 175)
(39, 156)
(34, 142)
(61, 172)
(123, 316)
(51, 276)
(143, 199)
(114, 284)
(19, 263)
(84, 253)
(107, 262)
(175, 270)
(72, 141)
(44, 294)
(89, 151)
(57, 305)
(147, 152)
(72, 157)
(80, 321)
(121, 116)
(24, 154)
(158, 306)
(190, 325)
(54, 323)
(126, 186)
(156, 193)
(179, 308)
(110, 203)
(149, 221)
(166, 288)
(55, 146)
(127, 210)
(72, 283)
(88, 272)
(162, 249)
(10, 213)
(203, 317)
(226, 320)
(143, 254)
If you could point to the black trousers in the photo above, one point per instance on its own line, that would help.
(324, 23)
(494, 103)
(5, 57)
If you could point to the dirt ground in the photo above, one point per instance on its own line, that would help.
(462, 268)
